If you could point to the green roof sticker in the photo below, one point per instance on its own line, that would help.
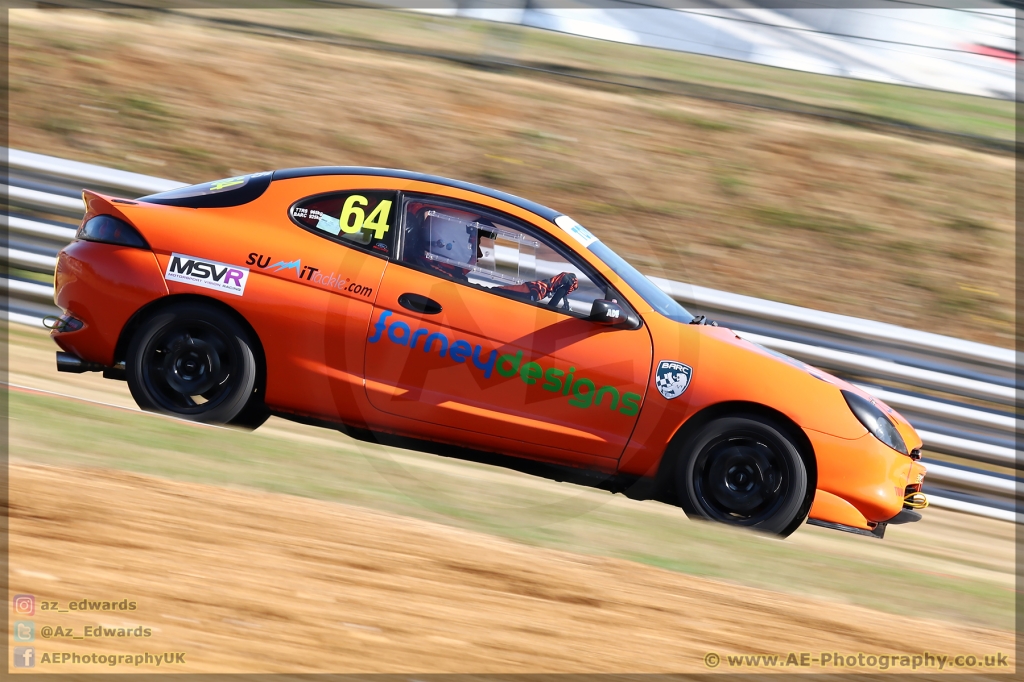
(228, 183)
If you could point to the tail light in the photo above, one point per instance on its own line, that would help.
(107, 229)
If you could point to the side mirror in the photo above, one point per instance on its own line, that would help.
(611, 313)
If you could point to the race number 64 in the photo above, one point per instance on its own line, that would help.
(353, 217)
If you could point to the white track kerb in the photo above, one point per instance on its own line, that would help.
(960, 395)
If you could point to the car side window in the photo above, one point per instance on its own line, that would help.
(362, 219)
(485, 249)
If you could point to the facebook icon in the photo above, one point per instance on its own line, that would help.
(24, 657)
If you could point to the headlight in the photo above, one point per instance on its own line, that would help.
(876, 421)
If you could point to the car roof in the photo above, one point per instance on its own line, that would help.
(532, 206)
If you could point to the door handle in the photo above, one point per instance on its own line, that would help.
(419, 304)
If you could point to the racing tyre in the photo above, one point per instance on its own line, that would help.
(743, 471)
(253, 415)
(191, 361)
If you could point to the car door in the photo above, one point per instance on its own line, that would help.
(464, 336)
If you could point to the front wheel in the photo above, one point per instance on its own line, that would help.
(192, 361)
(743, 471)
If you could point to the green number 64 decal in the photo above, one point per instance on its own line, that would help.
(354, 218)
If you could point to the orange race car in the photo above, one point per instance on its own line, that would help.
(449, 317)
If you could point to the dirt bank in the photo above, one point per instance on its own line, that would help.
(244, 581)
(752, 201)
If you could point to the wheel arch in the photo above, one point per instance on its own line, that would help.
(666, 468)
(154, 307)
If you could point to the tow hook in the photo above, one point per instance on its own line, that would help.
(916, 500)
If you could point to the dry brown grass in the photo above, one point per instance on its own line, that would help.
(766, 204)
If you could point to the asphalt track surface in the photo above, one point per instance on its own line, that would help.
(248, 581)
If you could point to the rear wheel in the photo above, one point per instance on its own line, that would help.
(253, 416)
(743, 471)
(192, 361)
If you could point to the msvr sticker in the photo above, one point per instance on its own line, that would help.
(208, 274)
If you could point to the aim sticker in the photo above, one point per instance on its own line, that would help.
(208, 274)
(575, 230)
(672, 378)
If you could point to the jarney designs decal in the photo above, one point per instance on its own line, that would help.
(208, 274)
(582, 392)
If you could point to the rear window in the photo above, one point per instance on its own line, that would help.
(217, 194)
(361, 218)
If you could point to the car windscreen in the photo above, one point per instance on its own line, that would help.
(647, 290)
(218, 194)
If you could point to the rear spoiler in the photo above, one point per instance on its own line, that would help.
(99, 204)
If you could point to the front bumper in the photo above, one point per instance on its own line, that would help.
(861, 482)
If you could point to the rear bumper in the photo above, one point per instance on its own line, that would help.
(102, 285)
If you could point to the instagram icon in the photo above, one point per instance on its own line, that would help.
(24, 604)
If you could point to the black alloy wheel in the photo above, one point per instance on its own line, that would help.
(192, 361)
(743, 471)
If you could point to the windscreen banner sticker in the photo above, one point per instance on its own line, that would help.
(575, 230)
(672, 378)
(207, 274)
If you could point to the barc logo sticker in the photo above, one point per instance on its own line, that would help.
(672, 378)
(208, 274)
